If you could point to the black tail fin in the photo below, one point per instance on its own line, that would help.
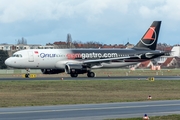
(150, 38)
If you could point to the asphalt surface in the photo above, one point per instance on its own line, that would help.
(98, 78)
(92, 111)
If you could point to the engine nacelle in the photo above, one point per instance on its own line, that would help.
(52, 71)
(75, 69)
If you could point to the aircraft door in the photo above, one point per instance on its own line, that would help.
(30, 56)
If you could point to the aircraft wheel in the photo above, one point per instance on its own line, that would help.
(74, 75)
(91, 74)
(27, 75)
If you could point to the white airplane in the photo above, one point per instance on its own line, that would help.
(80, 61)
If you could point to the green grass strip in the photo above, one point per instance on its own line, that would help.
(33, 93)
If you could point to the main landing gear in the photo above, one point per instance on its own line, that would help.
(89, 74)
(74, 75)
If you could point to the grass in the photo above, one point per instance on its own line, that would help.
(32, 93)
(168, 117)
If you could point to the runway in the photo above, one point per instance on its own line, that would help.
(92, 111)
(97, 78)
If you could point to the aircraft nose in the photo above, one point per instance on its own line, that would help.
(8, 62)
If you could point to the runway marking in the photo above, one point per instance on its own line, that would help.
(42, 111)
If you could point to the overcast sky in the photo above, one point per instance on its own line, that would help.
(105, 21)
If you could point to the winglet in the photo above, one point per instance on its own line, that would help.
(150, 38)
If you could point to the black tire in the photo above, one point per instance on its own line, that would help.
(74, 75)
(91, 74)
(27, 75)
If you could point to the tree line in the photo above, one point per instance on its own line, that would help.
(3, 56)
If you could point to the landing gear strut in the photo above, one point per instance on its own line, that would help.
(27, 74)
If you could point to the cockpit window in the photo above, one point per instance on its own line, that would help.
(17, 55)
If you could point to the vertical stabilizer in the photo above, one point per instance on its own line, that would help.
(150, 38)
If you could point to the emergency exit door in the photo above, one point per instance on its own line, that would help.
(31, 57)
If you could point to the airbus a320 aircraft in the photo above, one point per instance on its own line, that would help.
(80, 61)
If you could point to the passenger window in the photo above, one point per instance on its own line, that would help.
(16, 55)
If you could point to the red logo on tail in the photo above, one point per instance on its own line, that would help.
(149, 34)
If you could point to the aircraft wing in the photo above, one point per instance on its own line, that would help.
(107, 60)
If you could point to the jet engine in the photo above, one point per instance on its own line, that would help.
(75, 69)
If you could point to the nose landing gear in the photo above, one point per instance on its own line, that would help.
(27, 74)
